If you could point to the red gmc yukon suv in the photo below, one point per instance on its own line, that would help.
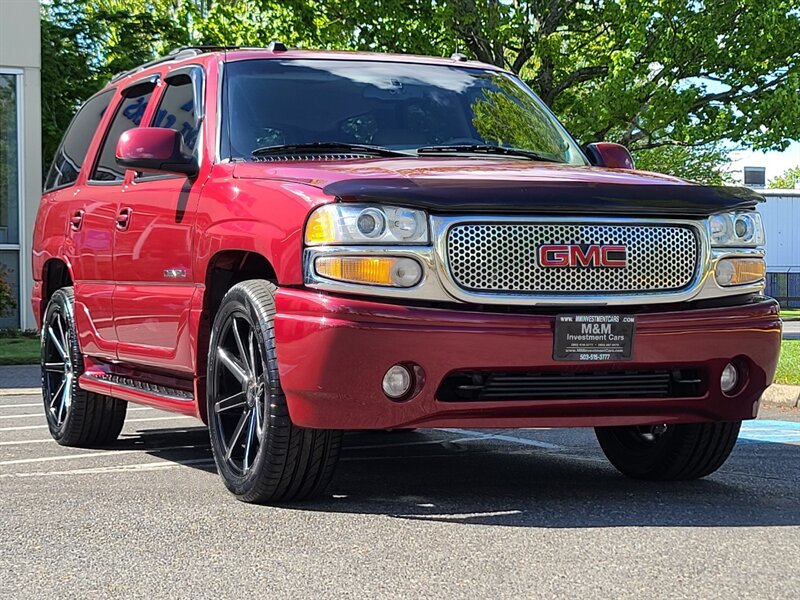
(291, 244)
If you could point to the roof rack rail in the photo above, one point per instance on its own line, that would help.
(176, 54)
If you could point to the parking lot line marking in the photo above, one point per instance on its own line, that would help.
(21, 442)
(25, 405)
(23, 427)
(146, 466)
(41, 414)
(477, 435)
(41, 459)
(458, 516)
(20, 391)
(400, 444)
(780, 432)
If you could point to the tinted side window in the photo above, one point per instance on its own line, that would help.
(72, 152)
(177, 110)
(129, 115)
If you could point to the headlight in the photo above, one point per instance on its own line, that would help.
(737, 229)
(339, 223)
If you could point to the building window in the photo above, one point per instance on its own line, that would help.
(755, 177)
(10, 189)
(9, 161)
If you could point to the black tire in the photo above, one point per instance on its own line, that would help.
(75, 417)
(274, 460)
(669, 452)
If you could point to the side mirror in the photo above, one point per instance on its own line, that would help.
(612, 156)
(155, 150)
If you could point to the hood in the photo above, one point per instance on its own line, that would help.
(467, 185)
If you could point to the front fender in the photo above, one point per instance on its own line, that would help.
(261, 216)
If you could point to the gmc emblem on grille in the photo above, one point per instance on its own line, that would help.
(586, 255)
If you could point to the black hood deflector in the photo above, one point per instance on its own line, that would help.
(563, 197)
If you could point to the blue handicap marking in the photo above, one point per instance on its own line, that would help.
(779, 432)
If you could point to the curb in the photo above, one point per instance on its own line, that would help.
(783, 395)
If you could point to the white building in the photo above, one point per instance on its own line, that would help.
(20, 148)
(781, 215)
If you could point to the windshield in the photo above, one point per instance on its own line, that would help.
(399, 106)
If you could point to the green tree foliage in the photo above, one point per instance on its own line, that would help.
(704, 164)
(788, 180)
(510, 118)
(668, 78)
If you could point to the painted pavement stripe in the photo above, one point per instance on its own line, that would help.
(107, 453)
(41, 414)
(780, 432)
(172, 417)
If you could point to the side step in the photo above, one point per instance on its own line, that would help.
(99, 378)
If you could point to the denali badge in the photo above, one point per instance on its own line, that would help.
(586, 255)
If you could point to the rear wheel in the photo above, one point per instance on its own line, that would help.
(260, 454)
(669, 452)
(75, 417)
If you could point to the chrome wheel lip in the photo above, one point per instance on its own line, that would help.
(240, 394)
(58, 374)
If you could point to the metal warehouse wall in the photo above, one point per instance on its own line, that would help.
(781, 214)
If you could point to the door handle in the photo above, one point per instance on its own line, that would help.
(124, 218)
(76, 220)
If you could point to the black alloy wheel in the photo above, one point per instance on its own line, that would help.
(239, 406)
(260, 454)
(75, 417)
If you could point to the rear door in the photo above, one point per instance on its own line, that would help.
(153, 250)
(87, 238)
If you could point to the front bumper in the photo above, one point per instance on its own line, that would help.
(334, 351)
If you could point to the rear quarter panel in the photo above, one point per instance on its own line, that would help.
(49, 234)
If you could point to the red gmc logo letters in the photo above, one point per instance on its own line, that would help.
(574, 255)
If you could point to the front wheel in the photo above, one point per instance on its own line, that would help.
(260, 454)
(669, 452)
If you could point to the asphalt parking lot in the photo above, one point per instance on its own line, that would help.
(434, 514)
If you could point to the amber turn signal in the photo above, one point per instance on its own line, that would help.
(320, 228)
(384, 270)
(739, 271)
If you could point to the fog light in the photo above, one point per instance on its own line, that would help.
(397, 382)
(729, 378)
(739, 271)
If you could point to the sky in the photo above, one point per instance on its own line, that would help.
(775, 162)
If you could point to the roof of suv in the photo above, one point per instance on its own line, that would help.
(277, 50)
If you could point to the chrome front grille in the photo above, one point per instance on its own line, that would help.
(502, 258)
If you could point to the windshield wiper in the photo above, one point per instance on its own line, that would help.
(327, 147)
(485, 149)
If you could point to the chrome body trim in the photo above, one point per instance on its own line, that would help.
(218, 124)
(428, 288)
(127, 383)
(437, 285)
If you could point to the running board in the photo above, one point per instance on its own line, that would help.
(140, 392)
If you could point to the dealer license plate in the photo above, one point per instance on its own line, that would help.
(593, 337)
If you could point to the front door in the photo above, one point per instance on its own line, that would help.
(153, 244)
(92, 214)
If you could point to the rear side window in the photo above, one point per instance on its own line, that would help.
(129, 115)
(72, 152)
